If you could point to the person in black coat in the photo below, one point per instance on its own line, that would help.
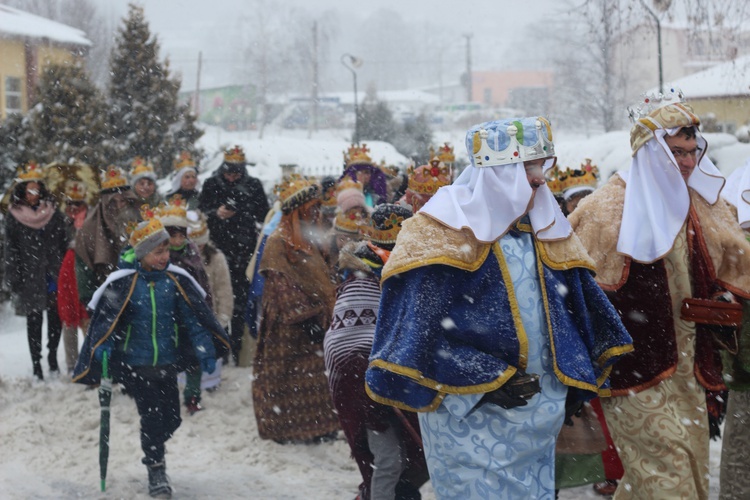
(235, 205)
(36, 239)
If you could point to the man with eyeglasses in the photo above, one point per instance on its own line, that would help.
(662, 237)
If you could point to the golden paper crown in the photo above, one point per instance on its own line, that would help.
(357, 155)
(184, 161)
(553, 181)
(585, 177)
(75, 190)
(140, 166)
(31, 172)
(427, 179)
(444, 154)
(113, 178)
(348, 183)
(384, 233)
(350, 221)
(198, 228)
(173, 213)
(328, 198)
(234, 155)
(140, 232)
(294, 191)
(389, 170)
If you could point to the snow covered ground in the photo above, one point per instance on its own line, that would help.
(49, 430)
(50, 439)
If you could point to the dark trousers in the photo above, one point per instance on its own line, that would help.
(158, 401)
(34, 322)
(240, 289)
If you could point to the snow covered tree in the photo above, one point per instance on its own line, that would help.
(145, 116)
(13, 136)
(376, 123)
(68, 122)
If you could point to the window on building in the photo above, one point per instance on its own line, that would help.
(488, 96)
(12, 95)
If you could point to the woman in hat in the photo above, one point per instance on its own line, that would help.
(185, 181)
(36, 241)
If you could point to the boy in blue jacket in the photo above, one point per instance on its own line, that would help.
(149, 317)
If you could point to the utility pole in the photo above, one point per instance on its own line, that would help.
(314, 94)
(468, 68)
(197, 100)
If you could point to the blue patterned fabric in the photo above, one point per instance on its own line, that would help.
(488, 451)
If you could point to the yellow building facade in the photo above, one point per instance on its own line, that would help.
(25, 55)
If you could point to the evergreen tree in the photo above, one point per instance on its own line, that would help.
(145, 116)
(376, 123)
(68, 122)
(13, 136)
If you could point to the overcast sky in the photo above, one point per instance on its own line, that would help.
(502, 34)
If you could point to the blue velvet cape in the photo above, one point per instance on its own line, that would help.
(444, 330)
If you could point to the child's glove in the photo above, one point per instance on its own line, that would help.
(99, 352)
(208, 365)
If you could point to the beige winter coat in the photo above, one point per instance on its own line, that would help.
(221, 285)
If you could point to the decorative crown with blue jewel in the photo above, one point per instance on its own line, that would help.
(502, 142)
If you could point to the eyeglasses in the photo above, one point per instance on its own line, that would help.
(32, 192)
(680, 154)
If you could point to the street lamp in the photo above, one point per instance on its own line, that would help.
(352, 63)
(658, 41)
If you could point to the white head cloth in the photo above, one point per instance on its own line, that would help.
(737, 192)
(177, 179)
(489, 200)
(657, 200)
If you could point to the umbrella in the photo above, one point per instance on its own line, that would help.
(105, 395)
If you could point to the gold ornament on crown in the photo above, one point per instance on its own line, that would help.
(234, 155)
(184, 161)
(350, 221)
(75, 190)
(348, 183)
(357, 155)
(31, 172)
(387, 235)
(444, 154)
(427, 179)
(177, 207)
(113, 178)
(140, 166)
(390, 171)
(586, 176)
(150, 226)
(295, 190)
(553, 181)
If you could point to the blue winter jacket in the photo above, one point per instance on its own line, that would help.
(149, 318)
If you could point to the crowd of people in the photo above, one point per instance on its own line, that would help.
(503, 333)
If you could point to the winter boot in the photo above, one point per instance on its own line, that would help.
(158, 482)
(52, 359)
(38, 370)
(193, 405)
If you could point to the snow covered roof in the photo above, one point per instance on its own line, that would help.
(17, 23)
(723, 80)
